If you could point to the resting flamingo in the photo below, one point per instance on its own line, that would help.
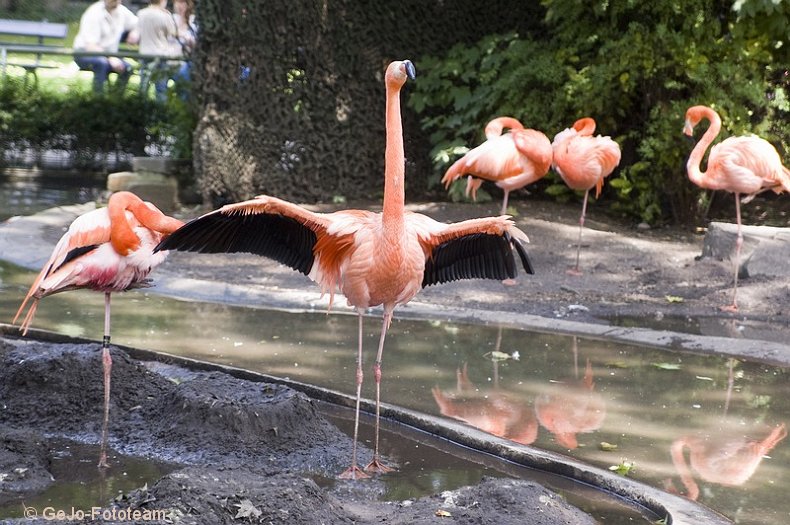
(511, 160)
(108, 250)
(373, 258)
(583, 162)
(728, 458)
(741, 165)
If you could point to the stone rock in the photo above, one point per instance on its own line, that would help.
(159, 189)
(765, 249)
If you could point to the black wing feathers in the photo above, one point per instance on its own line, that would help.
(277, 237)
(73, 254)
(475, 256)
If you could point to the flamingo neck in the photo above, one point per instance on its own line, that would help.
(394, 161)
(693, 169)
(496, 126)
(122, 236)
(679, 460)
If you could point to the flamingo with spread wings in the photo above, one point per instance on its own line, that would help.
(741, 165)
(108, 250)
(509, 160)
(372, 258)
(584, 161)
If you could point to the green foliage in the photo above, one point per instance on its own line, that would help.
(90, 126)
(601, 59)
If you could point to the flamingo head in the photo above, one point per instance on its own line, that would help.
(398, 72)
(695, 114)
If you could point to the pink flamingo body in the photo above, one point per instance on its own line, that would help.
(722, 460)
(510, 160)
(372, 258)
(569, 409)
(584, 161)
(491, 410)
(107, 250)
(741, 165)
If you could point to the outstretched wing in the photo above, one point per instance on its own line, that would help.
(264, 226)
(473, 249)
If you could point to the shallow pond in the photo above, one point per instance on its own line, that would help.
(24, 192)
(680, 421)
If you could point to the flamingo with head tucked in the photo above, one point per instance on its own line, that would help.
(372, 258)
(584, 161)
(745, 165)
(509, 160)
(108, 250)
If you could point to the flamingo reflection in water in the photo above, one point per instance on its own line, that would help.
(568, 408)
(725, 455)
(491, 410)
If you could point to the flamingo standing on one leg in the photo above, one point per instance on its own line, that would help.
(373, 258)
(742, 165)
(511, 160)
(108, 250)
(583, 161)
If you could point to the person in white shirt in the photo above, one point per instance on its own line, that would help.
(158, 31)
(101, 28)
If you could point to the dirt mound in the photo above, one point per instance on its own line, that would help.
(245, 449)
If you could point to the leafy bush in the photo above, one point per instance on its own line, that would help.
(636, 79)
(91, 127)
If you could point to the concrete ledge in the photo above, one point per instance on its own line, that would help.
(765, 250)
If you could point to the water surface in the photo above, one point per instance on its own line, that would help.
(607, 404)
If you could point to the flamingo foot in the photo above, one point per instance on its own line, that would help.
(731, 308)
(509, 282)
(353, 472)
(574, 271)
(377, 467)
(103, 459)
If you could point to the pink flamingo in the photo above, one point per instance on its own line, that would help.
(511, 160)
(741, 165)
(722, 459)
(491, 410)
(569, 409)
(372, 258)
(108, 250)
(583, 162)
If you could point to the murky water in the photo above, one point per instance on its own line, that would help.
(24, 193)
(690, 422)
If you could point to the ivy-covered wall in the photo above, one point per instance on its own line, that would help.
(292, 96)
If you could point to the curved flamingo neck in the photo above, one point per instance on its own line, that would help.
(495, 127)
(585, 126)
(686, 477)
(122, 236)
(693, 169)
(394, 161)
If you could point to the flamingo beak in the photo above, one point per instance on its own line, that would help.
(407, 64)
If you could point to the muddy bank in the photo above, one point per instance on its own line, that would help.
(238, 449)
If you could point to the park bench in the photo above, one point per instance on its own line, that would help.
(53, 31)
(37, 32)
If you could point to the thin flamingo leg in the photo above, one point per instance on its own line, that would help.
(376, 465)
(738, 243)
(504, 202)
(354, 472)
(107, 366)
(575, 270)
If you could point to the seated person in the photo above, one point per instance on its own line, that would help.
(157, 29)
(101, 28)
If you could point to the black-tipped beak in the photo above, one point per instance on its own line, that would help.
(409, 69)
